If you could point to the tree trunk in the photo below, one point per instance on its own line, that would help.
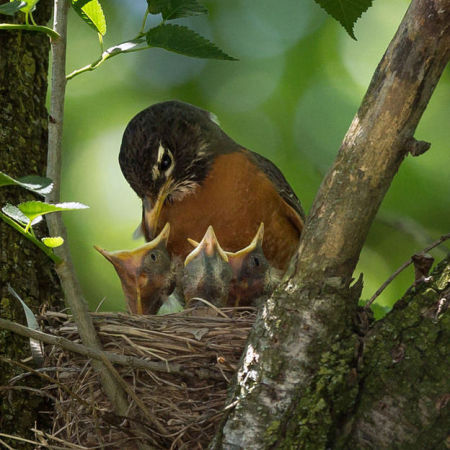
(23, 149)
(404, 387)
(300, 379)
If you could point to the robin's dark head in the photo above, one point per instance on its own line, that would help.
(167, 151)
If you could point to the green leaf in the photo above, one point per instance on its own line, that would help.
(12, 8)
(29, 6)
(35, 209)
(346, 12)
(53, 242)
(174, 9)
(92, 13)
(15, 213)
(180, 39)
(34, 183)
(37, 351)
(40, 185)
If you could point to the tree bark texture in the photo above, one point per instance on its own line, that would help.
(404, 387)
(23, 151)
(300, 377)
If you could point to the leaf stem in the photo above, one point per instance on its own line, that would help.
(32, 238)
(105, 56)
(141, 31)
(40, 28)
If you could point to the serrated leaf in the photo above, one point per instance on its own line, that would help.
(174, 9)
(53, 242)
(34, 209)
(11, 8)
(183, 40)
(34, 183)
(92, 13)
(346, 12)
(37, 351)
(15, 213)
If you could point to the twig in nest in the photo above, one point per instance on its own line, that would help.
(217, 310)
(403, 267)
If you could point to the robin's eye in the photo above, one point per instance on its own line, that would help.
(166, 162)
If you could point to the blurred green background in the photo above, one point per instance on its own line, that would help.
(291, 97)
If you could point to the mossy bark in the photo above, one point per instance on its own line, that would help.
(24, 59)
(298, 381)
(404, 398)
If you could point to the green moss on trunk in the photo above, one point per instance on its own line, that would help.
(23, 146)
(404, 400)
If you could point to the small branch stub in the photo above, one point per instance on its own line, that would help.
(415, 147)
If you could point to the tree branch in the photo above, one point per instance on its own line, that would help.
(299, 375)
(99, 355)
(65, 270)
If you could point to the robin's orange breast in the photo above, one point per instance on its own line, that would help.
(235, 198)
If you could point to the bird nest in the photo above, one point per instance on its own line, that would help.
(176, 402)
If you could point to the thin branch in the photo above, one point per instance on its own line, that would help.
(402, 268)
(99, 355)
(65, 270)
(18, 438)
(105, 56)
(39, 28)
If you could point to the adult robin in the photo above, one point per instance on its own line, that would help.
(188, 172)
(207, 273)
(147, 273)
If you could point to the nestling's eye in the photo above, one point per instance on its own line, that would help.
(153, 256)
(166, 162)
(256, 261)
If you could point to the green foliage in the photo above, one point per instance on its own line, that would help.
(53, 242)
(23, 216)
(34, 183)
(346, 12)
(29, 6)
(174, 9)
(34, 208)
(180, 39)
(174, 38)
(92, 14)
(15, 213)
(11, 8)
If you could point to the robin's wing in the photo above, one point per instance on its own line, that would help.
(277, 178)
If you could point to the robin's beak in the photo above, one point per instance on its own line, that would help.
(209, 245)
(128, 264)
(237, 258)
(152, 211)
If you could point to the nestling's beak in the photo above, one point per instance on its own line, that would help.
(151, 212)
(209, 245)
(237, 258)
(129, 263)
